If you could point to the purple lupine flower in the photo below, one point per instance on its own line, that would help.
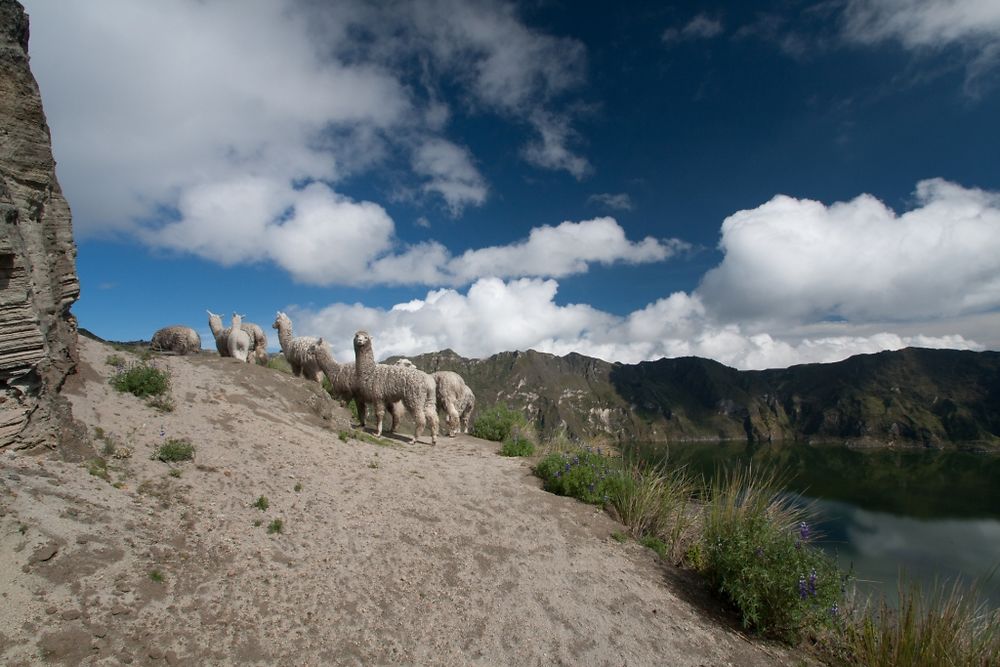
(163, 431)
(803, 531)
(812, 582)
(803, 590)
(760, 552)
(568, 466)
(834, 610)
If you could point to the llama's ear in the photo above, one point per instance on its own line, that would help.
(320, 342)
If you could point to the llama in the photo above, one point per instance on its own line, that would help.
(341, 379)
(377, 384)
(450, 389)
(451, 397)
(296, 350)
(177, 339)
(239, 340)
(258, 339)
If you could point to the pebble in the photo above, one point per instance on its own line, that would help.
(71, 614)
(51, 610)
(118, 610)
(171, 657)
(155, 654)
(100, 631)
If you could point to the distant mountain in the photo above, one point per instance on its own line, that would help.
(913, 396)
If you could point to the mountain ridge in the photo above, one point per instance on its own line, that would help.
(909, 397)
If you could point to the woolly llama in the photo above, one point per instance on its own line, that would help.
(296, 350)
(451, 397)
(258, 339)
(177, 339)
(341, 378)
(377, 384)
(239, 340)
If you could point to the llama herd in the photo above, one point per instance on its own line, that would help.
(393, 388)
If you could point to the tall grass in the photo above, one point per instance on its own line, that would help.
(654, 502)
(498, 423)
(946, 625)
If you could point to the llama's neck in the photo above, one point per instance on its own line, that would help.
(364, 360)
(325, 360)
(284, 335)
(215, 324)
(237, 322)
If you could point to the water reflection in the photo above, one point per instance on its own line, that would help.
(928, 513)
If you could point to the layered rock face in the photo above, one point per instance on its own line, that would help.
(38, 281)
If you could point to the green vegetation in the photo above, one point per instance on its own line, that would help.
(619, 536)
(279, 363)
(163, 403)
(99, 468)
(156, 576)
(759, 556)
(497, 423)
(115, 360)
(276, 526)
(517, 445)
(944, 626)
(586, 475)
(655, 505)
(261, 503)
(298, 487)
(175, 472)
(141, 379)
(175, 449)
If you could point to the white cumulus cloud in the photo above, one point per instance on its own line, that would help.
(798, 260)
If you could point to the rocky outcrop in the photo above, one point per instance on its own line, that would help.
(38, 281)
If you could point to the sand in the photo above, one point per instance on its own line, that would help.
(389, 554)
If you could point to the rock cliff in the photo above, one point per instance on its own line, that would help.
(38, 281)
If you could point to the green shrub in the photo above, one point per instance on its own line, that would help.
(947, 625)
(584, 474)
(276, 526)
(261, 503)
(497, 423)
(175, 450)
(141, 380)
(517, 445)
(758, 555)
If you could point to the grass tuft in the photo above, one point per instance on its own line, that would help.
(276, 526)
(261, 503)
(585, 474)
(141, 379)
(947, 625)
(175, 449)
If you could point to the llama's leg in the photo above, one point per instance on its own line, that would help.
(418, 417)
(296, 369)
(452, 419)
(359, 405)
(432, 417)
(379, 414)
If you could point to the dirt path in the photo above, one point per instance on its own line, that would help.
(406, 554)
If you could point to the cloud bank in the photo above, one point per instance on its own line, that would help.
(800, 281)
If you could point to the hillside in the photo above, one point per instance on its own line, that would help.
(919, 397)
(388, 553)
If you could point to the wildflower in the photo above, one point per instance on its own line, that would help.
(558, 474)
(163, 431)
(598, 451)
(568, 466)
(803, 531)
(760, 552)
(812, 582)
(803, 590)
(834, 610)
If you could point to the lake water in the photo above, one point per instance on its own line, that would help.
(927, 513)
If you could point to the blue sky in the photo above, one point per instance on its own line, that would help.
(787, 183)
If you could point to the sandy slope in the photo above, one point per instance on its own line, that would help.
(406, 554)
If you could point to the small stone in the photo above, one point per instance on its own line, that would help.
(100, 631)
(122, 587)
(155, 654)
(171, 657)
(71, 614)
(119, 610)
(51, 610)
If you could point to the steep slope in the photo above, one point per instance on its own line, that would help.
(391, 553)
